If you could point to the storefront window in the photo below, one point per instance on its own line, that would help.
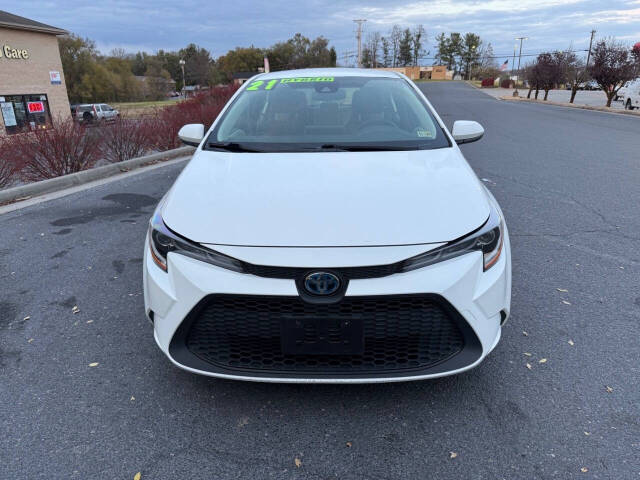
(24, 112)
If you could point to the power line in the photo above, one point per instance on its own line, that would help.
(510, 54)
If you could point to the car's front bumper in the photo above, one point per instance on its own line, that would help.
(480, 299)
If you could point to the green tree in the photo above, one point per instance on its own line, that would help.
(171, 63)
(280, 55)
(126, 86)
(366, 60)
(470, 53)
(405, 50)
(139, 63)
(386, 52)
(444, 55)
(301, 52)
(156, 79)
(240, 60)
(197, 64)
(418, 37)
(98, 85)
(78, 57)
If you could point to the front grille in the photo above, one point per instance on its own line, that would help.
(352, 273)
(402, 333)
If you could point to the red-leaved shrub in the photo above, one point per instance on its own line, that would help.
(506, 83)
(487, 82)
(203, 108)
(68, 147)
(11, 161)
(65, 147)
(126, 138)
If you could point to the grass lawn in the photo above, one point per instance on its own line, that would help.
(141, 109)
(157, 103)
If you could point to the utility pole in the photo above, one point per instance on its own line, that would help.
(586, 68)
(515, 94)
(359, 21)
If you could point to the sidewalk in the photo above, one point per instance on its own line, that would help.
(591, 98)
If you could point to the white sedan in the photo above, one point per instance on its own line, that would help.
(328, 229)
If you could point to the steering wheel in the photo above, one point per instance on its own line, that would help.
(377, 122)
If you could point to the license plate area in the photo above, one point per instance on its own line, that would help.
(322, 335)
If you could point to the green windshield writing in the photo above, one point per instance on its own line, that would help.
(262, 85)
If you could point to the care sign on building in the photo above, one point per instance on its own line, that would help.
(8, 51)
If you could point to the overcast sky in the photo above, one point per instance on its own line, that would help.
(219, 26)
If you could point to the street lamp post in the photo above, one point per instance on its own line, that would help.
(473, 52)
(513, 67)
(515, 94)
(182, 62)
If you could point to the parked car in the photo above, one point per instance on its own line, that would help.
(631, 96)
(328, 229)
(581, 86)
(89, 113)
(591, 85)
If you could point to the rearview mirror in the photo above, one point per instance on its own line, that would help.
(466, 131)
(192, 134)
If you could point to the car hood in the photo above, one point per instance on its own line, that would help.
(328, 199)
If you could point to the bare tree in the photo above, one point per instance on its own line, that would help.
(374, 41)
(118, 53)
(531, 75)
(575, 72)
(394, 38)
(613, 66)
(487, 66)
(550, 71)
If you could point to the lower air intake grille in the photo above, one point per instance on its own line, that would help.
(401, 333)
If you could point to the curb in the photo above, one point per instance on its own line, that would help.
(50, 185)
(570, 105)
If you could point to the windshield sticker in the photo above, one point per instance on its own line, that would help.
(262, 85)
(424, 133)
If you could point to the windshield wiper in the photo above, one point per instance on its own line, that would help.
(230, 147)
(367, 148)
(329, 147)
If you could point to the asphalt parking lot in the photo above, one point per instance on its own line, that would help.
(88, 395)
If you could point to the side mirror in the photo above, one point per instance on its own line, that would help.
(192, 134)
(466, 131)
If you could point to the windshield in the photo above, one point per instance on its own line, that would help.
(339, 113)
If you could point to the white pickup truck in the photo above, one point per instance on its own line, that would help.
(94, 112)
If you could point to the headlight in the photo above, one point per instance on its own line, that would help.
(162, 241)
(488, 239)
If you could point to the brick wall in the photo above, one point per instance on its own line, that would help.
(412, 72)
(31, 76)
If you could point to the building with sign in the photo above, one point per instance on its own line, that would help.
(32, 88)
